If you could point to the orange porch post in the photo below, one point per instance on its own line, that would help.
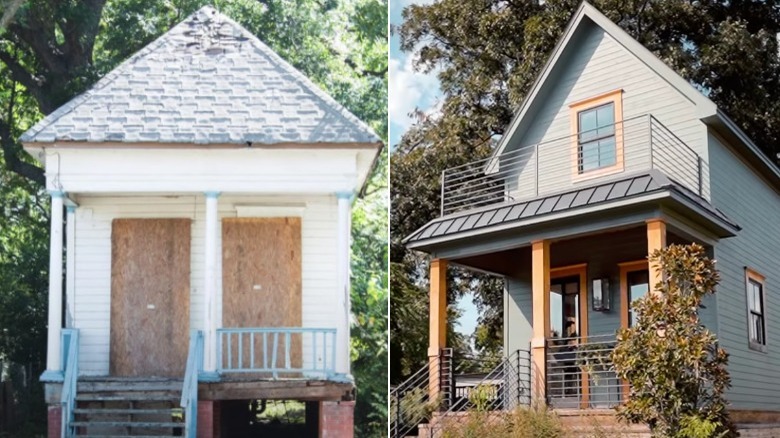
(438, 323)
(656, 239)
(540, 285)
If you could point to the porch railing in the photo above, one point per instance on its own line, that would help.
(437, 389)
(553, 166)
(293, 351)
(70, 353)
(189, 394)
(580, 373)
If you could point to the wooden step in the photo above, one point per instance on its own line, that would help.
(132, 424)
(129, 396)
(135, 385)
(130, 411)
(125, 436)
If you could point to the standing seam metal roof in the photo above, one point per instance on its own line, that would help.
(603, 193)
(207, 80)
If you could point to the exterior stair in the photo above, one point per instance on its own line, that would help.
(128, 407)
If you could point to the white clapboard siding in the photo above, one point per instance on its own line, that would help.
(93, 261)
(108, 170)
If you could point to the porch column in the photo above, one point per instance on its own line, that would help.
(656, 239)
(54, 372)
(70, 266)
(343, 289)
(210, 289)
(437, 314)
(540, 285)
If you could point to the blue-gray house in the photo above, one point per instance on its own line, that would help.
(611, 156)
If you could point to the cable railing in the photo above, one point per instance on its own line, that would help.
(414, 401)
(631, 145)
(504, 388)
(580, 373)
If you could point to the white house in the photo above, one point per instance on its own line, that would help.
(206, 187)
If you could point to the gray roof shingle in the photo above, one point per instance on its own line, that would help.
(207, 80)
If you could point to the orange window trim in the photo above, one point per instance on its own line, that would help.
(625, 268)
(615, 97)
(752, 274)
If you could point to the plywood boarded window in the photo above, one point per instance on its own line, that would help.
(150, 297)
(261, 284)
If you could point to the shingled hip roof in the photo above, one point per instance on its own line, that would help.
(602, 196)
(207, 80)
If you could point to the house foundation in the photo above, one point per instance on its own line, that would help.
(337, 419)
(55, 421)
(209, 416)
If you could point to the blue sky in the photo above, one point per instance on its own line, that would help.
(409, 90)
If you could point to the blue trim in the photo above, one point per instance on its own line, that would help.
(49, 376)
(208, 376)
(212, 194)
(71, 208)
(341, 378)
(56, 193)
(345, 195)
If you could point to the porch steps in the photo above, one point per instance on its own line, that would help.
(128, 407)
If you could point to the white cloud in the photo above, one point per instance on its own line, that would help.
(409, 89)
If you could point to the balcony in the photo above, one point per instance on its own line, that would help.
(557, 165)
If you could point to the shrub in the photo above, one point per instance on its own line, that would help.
(523, 422)
(673, 364)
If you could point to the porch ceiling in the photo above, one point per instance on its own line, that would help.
(606, 205)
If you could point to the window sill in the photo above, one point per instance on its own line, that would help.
(597, 173)
(757, 347)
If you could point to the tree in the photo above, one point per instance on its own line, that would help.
(487, 53)
(673, 364)
(51, 50)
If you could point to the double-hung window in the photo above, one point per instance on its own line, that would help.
(597, 135)
(596, 142)
(755, 310)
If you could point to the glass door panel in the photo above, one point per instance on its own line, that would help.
(638, 286)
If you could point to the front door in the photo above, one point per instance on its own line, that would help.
(565, 307)
(150, 297)
(261, 285)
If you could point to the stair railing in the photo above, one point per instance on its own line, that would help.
(189, 393)
(70, 345)
(505, 387)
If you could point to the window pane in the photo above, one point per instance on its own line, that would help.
(752, 328)
(607, 152)
(588, 125)
(606, 119)
(590, 156)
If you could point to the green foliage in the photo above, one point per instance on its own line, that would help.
(520, 423)
(480, 397)
(415, 406)
(673, 364)
(486, 55)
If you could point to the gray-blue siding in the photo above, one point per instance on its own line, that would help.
(747, 199)
(602, 253)
(595, 64)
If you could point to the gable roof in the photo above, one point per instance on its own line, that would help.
(207, 80)
(706, 109)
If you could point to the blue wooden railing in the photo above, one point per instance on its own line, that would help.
(277, 351)
(70, 355)
(189, 393)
